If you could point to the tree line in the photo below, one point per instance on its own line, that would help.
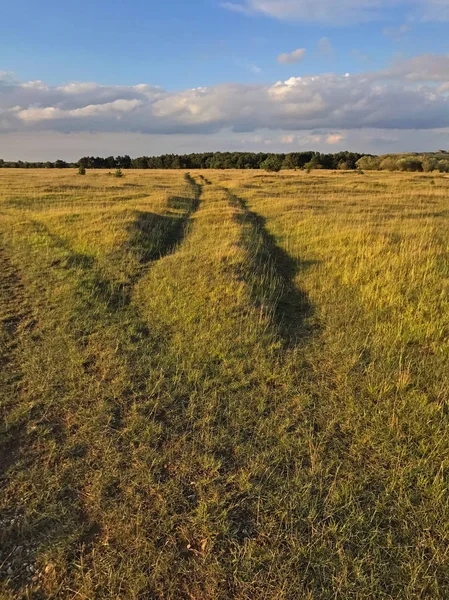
(205, 160)
(427, 162)
(422, 163)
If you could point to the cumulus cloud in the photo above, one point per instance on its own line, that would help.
(410, 94)
(340, 12)
(288, 58)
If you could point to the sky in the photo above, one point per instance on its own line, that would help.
(146, 77)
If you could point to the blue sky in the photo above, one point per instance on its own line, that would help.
(179, 46)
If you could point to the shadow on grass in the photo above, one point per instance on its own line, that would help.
(152, 236)
(276, 270)
(98, 303)
(11, 304)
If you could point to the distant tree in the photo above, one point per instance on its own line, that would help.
(83, 162)
(175, 163)
(314, 163)
(81, 170)
(140, 163)
(118, 173)
(326, 161)
(110, 162)
(291, 161)
(123, 162)
(217, 161)
(272, 163)
(61, 164)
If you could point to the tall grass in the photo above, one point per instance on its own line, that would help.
(232, 386)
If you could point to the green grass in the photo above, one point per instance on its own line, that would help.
(224, 385)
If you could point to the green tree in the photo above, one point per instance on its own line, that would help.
(314, 163)
(272, 163)
(291, 161)
(61, 164)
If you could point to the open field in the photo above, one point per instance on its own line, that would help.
(224, 384)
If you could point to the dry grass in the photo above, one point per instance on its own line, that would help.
(224, 385)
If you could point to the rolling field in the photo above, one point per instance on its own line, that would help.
(224, 385)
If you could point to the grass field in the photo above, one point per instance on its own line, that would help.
(224, 384)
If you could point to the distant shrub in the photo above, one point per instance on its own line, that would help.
(118, 173)
(343, 166)
(410, 164)
(429, 164)
(389, 164)
(82, 171)
(368, 163)
(272, 163)
(443, 166)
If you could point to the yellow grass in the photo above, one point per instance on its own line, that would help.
(225, 384)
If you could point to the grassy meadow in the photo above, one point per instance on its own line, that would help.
(224, 384)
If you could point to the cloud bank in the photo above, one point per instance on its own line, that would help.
(412, 94)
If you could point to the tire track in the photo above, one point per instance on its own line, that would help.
(14, 319)
(275, 272)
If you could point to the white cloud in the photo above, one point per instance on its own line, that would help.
(51, 113)
(310, 10)
(388, 99)
(292, 57)
(340, 12)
